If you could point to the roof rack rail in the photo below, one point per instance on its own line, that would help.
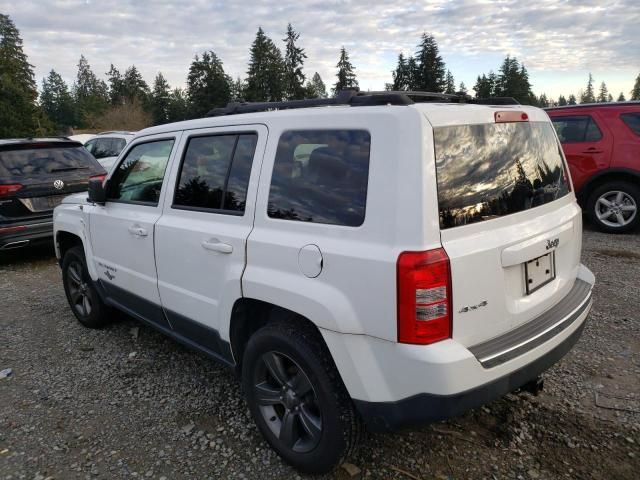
(496, 101)
(355, 98)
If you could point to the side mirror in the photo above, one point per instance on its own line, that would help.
(97, 192)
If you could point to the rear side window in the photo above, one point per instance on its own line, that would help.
(576, 128)
(138, 178)
(215, 173)
(44, 160)
(492, 170)
(105, 147)
(321, 176)
(632, 120)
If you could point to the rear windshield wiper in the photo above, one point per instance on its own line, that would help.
(67, 169)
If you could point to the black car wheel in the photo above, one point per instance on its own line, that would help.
(81, 294)
(297, 398)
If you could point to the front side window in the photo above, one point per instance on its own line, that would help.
(321, 176)
(215, 173)
(576, 129)
(138, 178)
(488, 171)
(632, 120)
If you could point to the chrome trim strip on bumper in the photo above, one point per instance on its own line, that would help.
(534, 333)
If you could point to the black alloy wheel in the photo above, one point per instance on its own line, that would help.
(288, 402)
(77, 286)
(83, 298)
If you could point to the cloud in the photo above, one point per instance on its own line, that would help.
(549, 36)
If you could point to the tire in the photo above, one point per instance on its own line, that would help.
(614, 207)
(81, 294)
(316, 429)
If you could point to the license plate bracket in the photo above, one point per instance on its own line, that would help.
(539, 272)
(54, 200)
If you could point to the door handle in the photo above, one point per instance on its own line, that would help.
(216, 245)
(592, 150)
(138, 231)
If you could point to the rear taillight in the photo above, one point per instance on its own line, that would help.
(99, 177)
(18, 228)
(6, 190)
(424, 297)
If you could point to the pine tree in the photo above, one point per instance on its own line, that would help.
(177, 108)
(208, 86)
(116, 86)
(401, 75)
(57, 102)
(450, 84)
(265, 79)
(603, 95)
(543, 101)
(588, 96)
(18, 93)
(572, 100)
(316, 87)
(159, 100)
(483, 87)
(635, 93)
(293, 62)
(513, 81)
(346, 75)
(621, 98)
(90, 94)
(463, 89)
(562, 101)
(430, 71)
(134, 88)
(609, 98)
(237, 89)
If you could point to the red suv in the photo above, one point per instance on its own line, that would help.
(602, 145)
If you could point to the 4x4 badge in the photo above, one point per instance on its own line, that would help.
(484, 303)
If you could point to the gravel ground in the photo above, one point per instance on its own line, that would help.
(126, 402)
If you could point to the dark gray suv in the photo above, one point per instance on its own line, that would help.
(35, 175)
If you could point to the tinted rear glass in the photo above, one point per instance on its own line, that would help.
(46, 161)
(576, 128)
(491, 170)
(633, 121)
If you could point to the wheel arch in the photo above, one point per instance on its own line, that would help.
(65, 240)
(609, 175)
(248, 315)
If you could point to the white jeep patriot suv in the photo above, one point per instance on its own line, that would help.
(385, 259)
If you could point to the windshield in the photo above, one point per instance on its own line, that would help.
(43, 161)
(491, 170)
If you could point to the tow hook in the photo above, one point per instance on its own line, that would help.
(534, 387)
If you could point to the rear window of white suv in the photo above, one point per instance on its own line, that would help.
(487, 171)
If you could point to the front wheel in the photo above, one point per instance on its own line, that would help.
(613, 207)
(81, 294)
(297, 398)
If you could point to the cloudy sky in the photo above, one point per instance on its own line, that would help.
(559, 41)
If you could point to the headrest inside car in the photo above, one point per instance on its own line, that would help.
(326, 163)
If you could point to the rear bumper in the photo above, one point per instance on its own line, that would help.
(16, 235)
(394, 385)
(427, 408)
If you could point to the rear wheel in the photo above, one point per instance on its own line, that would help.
(81, 294)
(613, 207)
(297, 398)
